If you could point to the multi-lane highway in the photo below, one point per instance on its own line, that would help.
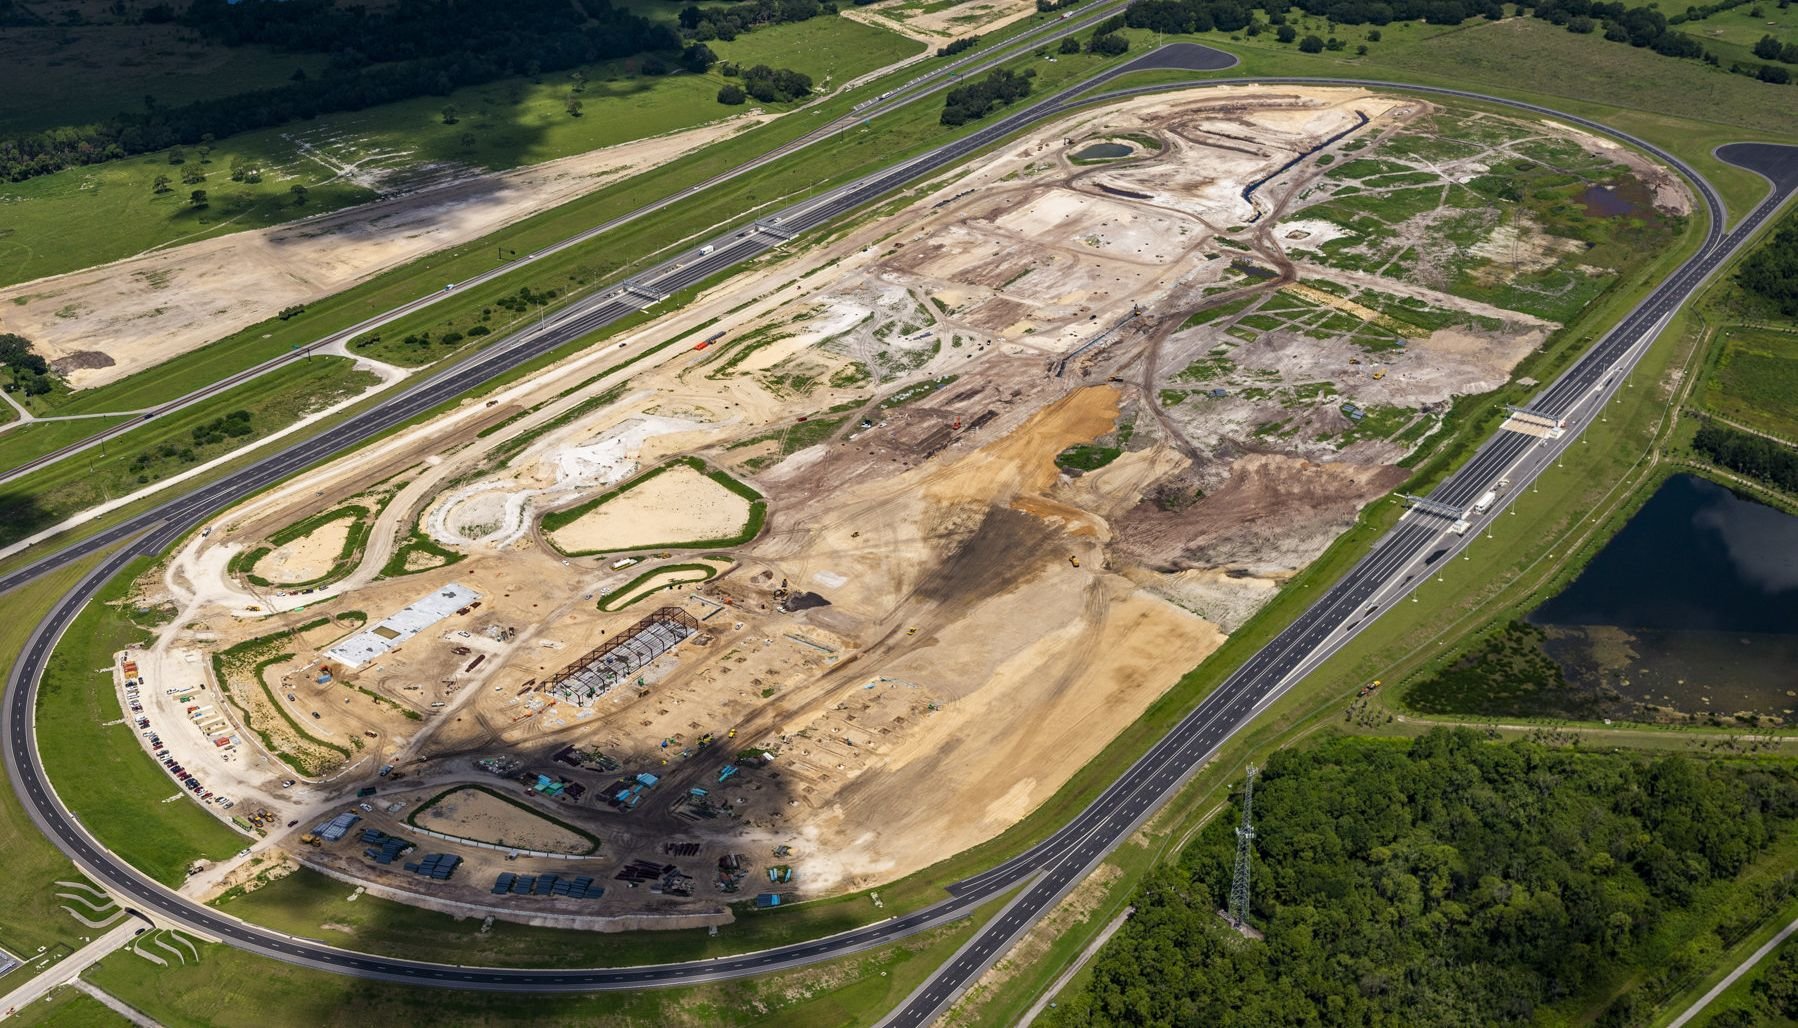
(1048, 869)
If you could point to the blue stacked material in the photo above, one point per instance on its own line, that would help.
(438, 866)
(768, 899)
(580, 887)
(387, 849)
(335, 829)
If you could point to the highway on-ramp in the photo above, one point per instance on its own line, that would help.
(1048, 869)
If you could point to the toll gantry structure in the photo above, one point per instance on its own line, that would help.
(595, 672)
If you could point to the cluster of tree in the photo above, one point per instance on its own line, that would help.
(379, 55)
(956, 46)
(1770, 49)
(1771, 272)
(769, 85)
(976, 100)
(727, 23)
(1175, 16)
(1444, 881)
(30, 372)
(232, 426)
(1638, 26)
(1756, 456)
(1111, 44)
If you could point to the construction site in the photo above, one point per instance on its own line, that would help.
(884, 538)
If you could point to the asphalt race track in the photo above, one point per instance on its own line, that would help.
(1051, 867)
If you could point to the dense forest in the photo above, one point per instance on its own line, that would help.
(1771, 272)
(385, 53)
(1447, 880)
(1758, 458)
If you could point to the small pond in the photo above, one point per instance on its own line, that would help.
(1103, 152)
(1692, 609)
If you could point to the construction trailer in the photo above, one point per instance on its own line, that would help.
(595, 672)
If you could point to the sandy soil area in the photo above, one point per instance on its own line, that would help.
(475, 814)
(970, 18)
(144, 310)
(677, 506)
(309, 556)
(939, 623)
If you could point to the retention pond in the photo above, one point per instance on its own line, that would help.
(1690, 612)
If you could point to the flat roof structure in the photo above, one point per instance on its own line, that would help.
(393, 631)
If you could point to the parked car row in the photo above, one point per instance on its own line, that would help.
(159, 749)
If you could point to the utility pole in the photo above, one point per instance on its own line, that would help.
(1245, 838)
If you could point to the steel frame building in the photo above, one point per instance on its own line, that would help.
(599, 669)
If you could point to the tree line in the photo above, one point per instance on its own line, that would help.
(769, 85)
(1747, 454)
(1447, 880)
(1771, 272)
(703, 24)
(976, 100)
(1641, 26)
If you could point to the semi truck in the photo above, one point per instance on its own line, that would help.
(1484, 503)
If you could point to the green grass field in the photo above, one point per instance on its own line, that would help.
(1731, 34)
(89, 215)
(167, 446)
(228, 988)
(100, 770)
(28, 442)
(1755, 379)
(30, 864)
(69, 1008)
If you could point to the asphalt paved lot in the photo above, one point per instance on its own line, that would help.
(1049, 868)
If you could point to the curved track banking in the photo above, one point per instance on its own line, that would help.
(1047, 869)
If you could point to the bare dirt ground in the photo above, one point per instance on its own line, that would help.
(676, 506)
(969, 18)
(1016, 490)
(474, 814)
(310, 556)
(144, 310)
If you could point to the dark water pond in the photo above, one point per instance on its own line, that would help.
(1102, 152)
(1607, 202)
(1691, 608)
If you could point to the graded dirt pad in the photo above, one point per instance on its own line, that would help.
(146, 309)
(934, 23)
(984, 553)
(308, 557)
(678, 505)
(479, 815)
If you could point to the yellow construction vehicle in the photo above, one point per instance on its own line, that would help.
(1379, 374)
(1073, 560)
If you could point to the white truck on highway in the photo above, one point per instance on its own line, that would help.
(1484, 503)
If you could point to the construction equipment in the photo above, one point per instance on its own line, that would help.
(1073, 560)
(1377, 375)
